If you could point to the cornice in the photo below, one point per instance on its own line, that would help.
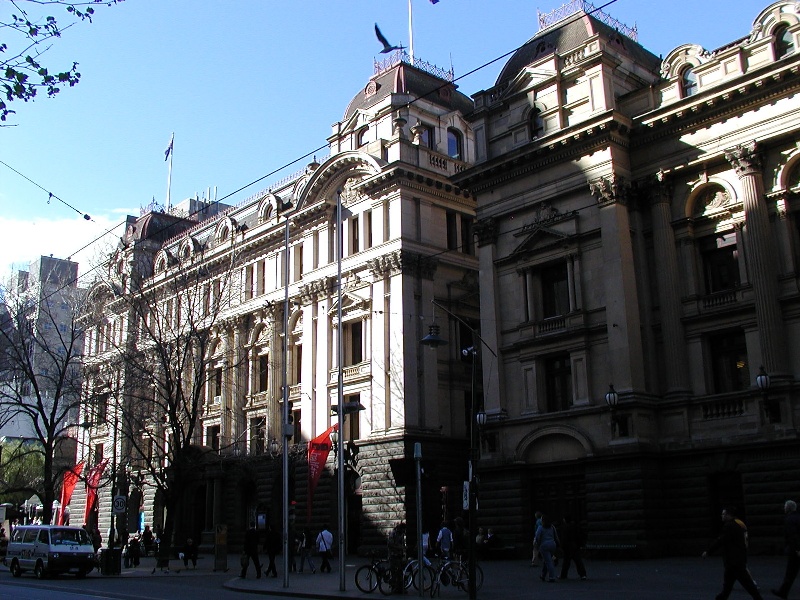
(715, 104)
(584, 138)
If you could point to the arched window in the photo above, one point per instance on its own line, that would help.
(362, 138)
(784, 42)
(536, 123)
(793, 181)
(688, 82)
(455, 144)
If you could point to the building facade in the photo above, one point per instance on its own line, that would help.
(406, 239)
(638, 243)
(616, 234)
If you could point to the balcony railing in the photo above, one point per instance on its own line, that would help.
(351, 372)
(724, 408)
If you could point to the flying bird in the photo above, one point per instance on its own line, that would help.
(387, 47)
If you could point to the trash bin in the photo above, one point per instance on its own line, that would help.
(111, 561)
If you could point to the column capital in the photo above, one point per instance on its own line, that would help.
(744, 158)
(486, 231)
(608, 189)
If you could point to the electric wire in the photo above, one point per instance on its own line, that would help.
(564, 23)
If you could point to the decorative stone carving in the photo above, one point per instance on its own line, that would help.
(405, 262)
(486, 231)
(311, 292)
(744, 158)
(608, 189)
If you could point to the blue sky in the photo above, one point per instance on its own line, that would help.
(247, 86)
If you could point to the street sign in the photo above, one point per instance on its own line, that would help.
(120, 505)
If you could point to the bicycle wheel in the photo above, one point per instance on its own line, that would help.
(478, 577)
(427, 574)
(387, 586)
(459, 576)
(367, 579)
(409, 573)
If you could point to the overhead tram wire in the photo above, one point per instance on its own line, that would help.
(312, 152)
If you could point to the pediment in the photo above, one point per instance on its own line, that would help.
(353, 307)
(539, 237)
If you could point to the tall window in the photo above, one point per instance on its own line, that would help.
(555, 291)
(784, 42)
(355, 243)
(258, 435)
(536, 123)
(558, 383)
(466, 235)
(720, 262)
(728, 354)
(263, 372)
(688, 82)
(217, 383)
(213, 437)
(455, 144)
(354, 344)
(452, 231)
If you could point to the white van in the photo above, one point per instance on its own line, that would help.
(49, 550)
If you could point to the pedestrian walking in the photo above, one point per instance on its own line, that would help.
(791, 532)
(272, 545)
(733, 543)
(324, 544)
(547, 541)
(444, 541)
(304, 550)
(133, 552)
(250, 552)
(571, 537)
(536, 524)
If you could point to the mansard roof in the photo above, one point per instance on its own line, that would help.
(570, 34)
(406, 79)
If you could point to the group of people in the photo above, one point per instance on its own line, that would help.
(302, 545)
(547, 542)
(732, 542)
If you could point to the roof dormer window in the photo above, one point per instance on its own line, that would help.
(784, 42)
(688, 82)
(455, 144)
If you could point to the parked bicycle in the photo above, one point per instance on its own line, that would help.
(368, 577)
(454, 572)
(411, 576)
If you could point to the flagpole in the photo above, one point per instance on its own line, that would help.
(410, 33)
(171, 151)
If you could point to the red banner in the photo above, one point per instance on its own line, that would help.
(318, 450)
(70, 479)
(91, 487)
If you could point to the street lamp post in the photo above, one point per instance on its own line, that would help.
(432, 340)
(285, 407)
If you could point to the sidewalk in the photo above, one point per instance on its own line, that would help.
(667, 579)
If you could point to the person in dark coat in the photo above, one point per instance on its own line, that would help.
(791, 532)
(733, 543)
(147, 540)
(251, 552)
(571, 542)
(189, 553)
(272, 546)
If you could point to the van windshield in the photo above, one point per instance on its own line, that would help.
(69, 536)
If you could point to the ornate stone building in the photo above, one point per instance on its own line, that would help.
(638, 226)
(406, 234)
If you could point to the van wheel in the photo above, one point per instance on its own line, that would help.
(39, 570)
(15, 570)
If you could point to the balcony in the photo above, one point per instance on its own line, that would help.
(353, 373)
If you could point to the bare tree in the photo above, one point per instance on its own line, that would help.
(160, 367)
(40, 370)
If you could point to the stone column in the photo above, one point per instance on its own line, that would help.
(746, 160)
(487, 232)
(669, 291)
